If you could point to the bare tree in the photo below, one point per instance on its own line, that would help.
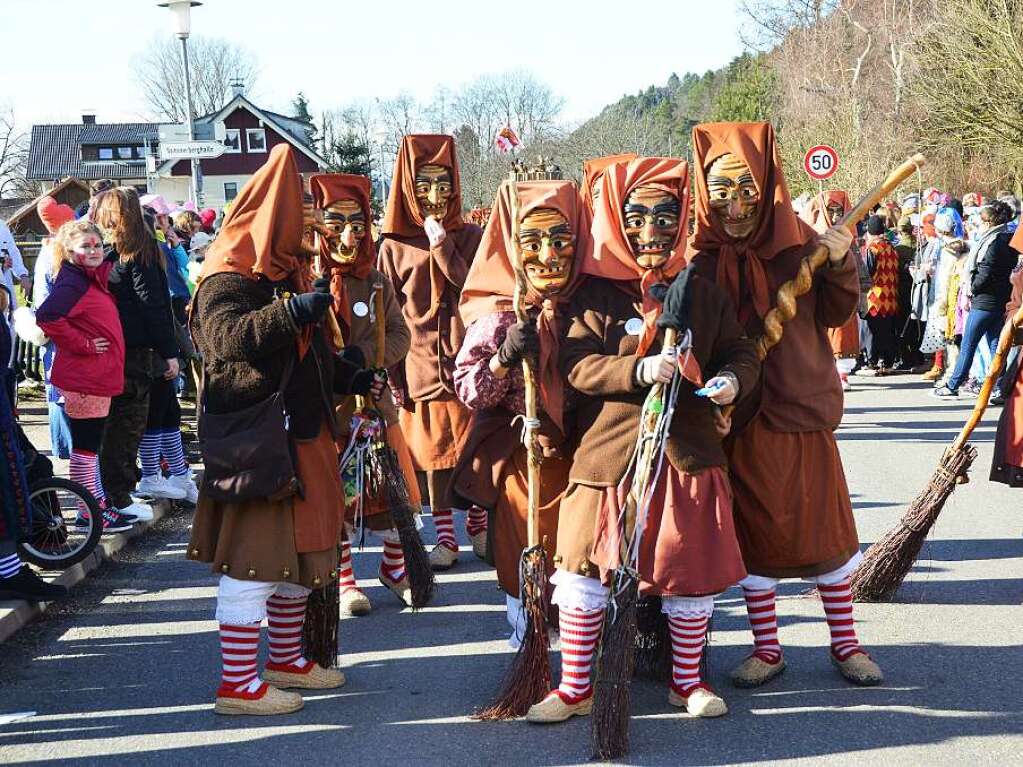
(213, 65)
(13, 157)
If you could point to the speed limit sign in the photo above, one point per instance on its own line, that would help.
(820, 162)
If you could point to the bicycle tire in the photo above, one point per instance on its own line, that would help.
(52, 484)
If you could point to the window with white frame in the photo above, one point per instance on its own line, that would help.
(106, 153)
(230, 190)
(233, 141)
(255, 139)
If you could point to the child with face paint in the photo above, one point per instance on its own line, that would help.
(611, 356)
(792, 509)
(80, 317)
(553, 239)
(347, 256)
(426, 253)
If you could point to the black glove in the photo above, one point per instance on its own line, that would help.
(676, 304)
(363, 381)
(322, 285)
(521, 340)
(354, 355)
(309, 308)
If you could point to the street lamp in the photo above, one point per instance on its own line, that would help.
(182, 11)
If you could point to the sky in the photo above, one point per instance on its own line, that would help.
(76, 56)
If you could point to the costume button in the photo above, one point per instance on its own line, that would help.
(584, 568)
(285, 573)
(558, 559)
(317, 581)
(225, 567)
(195, 552)
(252, 573)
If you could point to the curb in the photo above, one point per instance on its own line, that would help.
(16, 613)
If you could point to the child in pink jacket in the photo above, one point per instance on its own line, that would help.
(80, 317)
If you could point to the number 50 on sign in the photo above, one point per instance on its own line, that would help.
(820, 162)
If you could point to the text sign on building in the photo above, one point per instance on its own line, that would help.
(186, 150)
(820, 162)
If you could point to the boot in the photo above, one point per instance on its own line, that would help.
(25, 584)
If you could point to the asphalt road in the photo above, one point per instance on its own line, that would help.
(124, 674)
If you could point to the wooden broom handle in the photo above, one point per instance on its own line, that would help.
(533, 454)
(997, 365)
(381, 327)
(789, 292)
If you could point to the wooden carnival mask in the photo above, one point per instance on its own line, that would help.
(347, 227)
(310, 222)
(652, 215)
(835, 213)
(547, 244)
(734, 197)
(433, 190)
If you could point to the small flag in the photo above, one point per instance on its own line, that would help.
(506, 140)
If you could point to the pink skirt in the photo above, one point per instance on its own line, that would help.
(81, 406)
(689, 547)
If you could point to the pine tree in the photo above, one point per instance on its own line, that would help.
(300, 111)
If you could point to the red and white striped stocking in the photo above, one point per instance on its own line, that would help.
(285, 617)
(239, 646)
(392, 566)
(837, 601)
(345, 571)
(444, 521)
(475, 521)
(763, 620)
(580, 631)
(687, 639)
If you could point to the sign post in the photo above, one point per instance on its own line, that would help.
(820, 164)
(188, 150)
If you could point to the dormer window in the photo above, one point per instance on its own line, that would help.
(106, 153)
(233, 141)
(256, 139)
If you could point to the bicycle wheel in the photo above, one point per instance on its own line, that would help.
(55, 542)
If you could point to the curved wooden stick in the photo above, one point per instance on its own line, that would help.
(789, 292)
(799, 285)
(533, 454)
(997, 365)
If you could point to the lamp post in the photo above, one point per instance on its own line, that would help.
(182, 10)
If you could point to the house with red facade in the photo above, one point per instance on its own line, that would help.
(127, 152)
(249, 135)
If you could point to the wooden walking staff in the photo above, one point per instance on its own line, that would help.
(789, 292)
(889, 560)
(529, 677)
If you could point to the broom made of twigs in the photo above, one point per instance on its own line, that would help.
(394, 490)
(529, 677)
(616, 652)
(889, 560)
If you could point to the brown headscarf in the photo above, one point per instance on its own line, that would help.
(328, 188)
(490, 284)
(262, 233)
(612, 256)
(402, 216)
(593, 169)
(815, 212)
(778, 228)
